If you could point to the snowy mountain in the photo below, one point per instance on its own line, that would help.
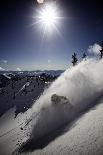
(21, 89)
(66, 119)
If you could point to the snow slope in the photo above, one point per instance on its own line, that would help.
(77, 90)
(83, 137)
(81, 85)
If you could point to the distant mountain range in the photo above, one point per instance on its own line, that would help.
(36, 72)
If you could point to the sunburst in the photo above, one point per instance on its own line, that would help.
(47, 17)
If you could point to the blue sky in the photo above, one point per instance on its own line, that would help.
(22, 45)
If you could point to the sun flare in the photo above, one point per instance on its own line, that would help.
(48, 17)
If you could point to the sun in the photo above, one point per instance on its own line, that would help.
(48, 17)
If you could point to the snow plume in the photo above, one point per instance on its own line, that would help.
(94, 49)
(76, 89)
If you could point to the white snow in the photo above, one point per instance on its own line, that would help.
(84, 137)
(81, 85)
(94, 49)
(76, 89)
(7, 76)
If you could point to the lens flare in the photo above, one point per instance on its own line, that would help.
(48, 17)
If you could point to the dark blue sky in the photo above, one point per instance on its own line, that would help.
(22, 45)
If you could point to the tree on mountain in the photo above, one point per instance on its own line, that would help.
(101, 51)
(74, 59)
(84, 56)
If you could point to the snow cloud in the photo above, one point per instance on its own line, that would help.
(4, 61)
(2, 69)
(18, 69)
(94, 49)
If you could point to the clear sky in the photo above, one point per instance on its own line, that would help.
(22, 46)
